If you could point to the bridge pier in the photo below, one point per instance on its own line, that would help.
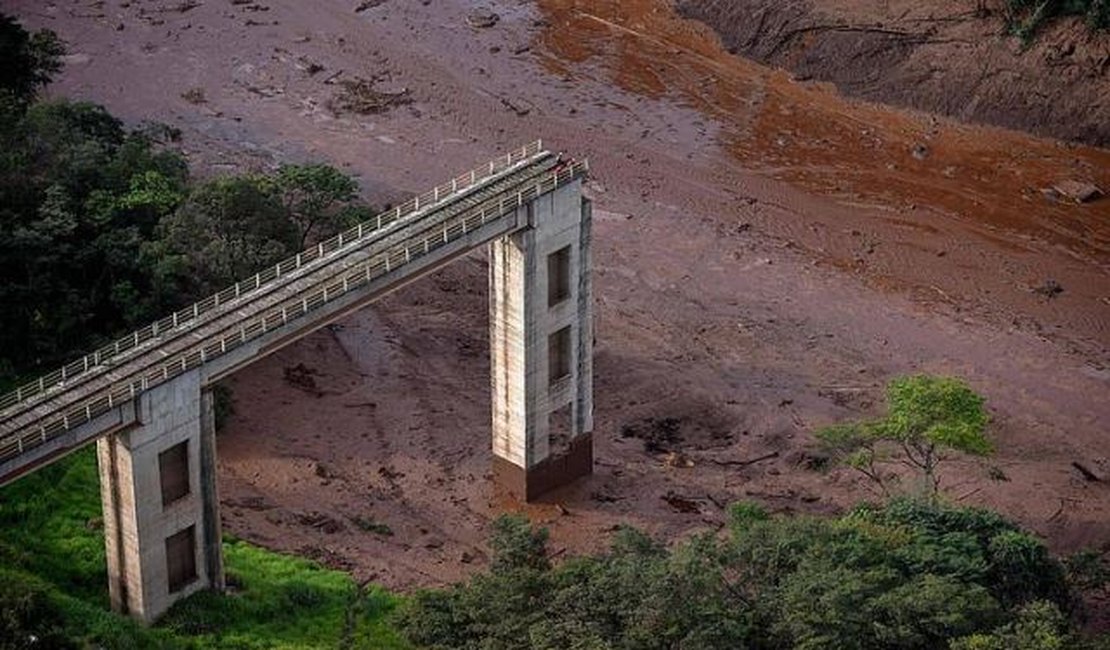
(161, 510)
(541, 339)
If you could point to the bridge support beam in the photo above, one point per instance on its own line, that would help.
(161, 510)
(541, 340)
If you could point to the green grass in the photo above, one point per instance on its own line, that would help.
(51, 541)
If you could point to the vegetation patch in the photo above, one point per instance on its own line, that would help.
(908, 575)
(928, 419)
(53, 584)
(1025, 17)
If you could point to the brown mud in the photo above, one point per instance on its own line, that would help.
(767, 255)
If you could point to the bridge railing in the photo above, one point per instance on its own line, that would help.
(306, 301)
(191, 314)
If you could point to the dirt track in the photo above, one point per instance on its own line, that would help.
(767, 256)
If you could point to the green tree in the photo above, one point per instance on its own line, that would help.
(927, 419)
(226, 230)
(79, 198)
(27, 61)
(318, 198)
(1039, 626)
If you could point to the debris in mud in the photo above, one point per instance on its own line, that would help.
(1086, 472)
(368, 4)
(321, 522)
(659, 434)
(181, 7)
(483, 18)
(326, 472)
(390, 474)
(919, 151)
(1051, 195)
(360, 97)
(301, 376)
(1078, 191)
(311, 67)
(691, 429)
(601, 496)
(677, 459)
(369, 525)
(194, 96)
(326, 557)
(257, 503)
(516, 105)
(810, 459)
(996, 474)
(745, 463)
(1049, 289)
(682, 504)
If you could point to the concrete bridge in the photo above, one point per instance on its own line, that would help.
(145, 400)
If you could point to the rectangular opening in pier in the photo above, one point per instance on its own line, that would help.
(181, 559)
(173, 469)
(558, 355)
(558, 276)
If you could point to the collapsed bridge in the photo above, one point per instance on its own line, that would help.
(146, 399)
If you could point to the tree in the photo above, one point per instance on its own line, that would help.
(27, 61)
(908, 575)
(226, 230)
(927, 419)
(79, 198)
(516, 545)
(316, 197)
(1039, 626)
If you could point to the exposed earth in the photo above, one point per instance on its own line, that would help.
(767, 255)
(954, 57)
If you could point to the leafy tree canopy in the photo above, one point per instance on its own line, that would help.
(27, 61)
(908, 575)
(927, 418)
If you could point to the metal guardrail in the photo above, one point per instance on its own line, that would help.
(172, 323)
(304, 302)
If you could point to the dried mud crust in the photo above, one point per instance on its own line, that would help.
(939, 56)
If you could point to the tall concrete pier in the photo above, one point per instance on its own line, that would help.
(541, 335)
(146, 399)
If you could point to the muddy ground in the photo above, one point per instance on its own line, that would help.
(767, 255)
(952, 57)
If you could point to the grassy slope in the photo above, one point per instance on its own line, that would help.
(50, 534)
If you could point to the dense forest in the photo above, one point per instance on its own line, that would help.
(104, 228)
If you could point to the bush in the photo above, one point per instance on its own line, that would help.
(910, 575)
